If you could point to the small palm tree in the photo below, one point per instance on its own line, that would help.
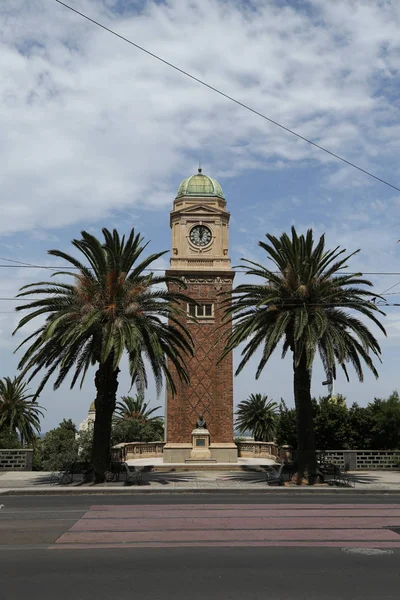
(258, 415)
(112, 306)
(18, 414)
(135, 408)
(308, 305)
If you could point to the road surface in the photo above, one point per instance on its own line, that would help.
(209, 547)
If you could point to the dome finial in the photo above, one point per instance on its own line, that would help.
(200, 169)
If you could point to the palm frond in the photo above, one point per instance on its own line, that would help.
(112, 307)
(309, 303)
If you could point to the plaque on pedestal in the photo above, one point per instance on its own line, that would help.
(201, 444)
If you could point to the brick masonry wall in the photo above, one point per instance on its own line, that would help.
(16, 460)
(363, 460)
(210, 391)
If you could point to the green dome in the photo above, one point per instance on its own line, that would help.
(200, 185)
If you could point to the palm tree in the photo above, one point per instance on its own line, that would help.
(135, 408)
(308, 304)
(112, 306)
(18, 414)
(258, 415)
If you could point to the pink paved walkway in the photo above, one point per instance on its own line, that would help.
(343, 525)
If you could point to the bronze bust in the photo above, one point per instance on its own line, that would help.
(200, 423)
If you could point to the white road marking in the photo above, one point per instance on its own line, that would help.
(367, 551)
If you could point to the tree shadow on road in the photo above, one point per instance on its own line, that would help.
(149, 477)
(240, 477)
(363, 479)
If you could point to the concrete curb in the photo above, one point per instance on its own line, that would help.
(133, 490)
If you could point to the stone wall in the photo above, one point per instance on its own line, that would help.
(16, 460)
(363, 460)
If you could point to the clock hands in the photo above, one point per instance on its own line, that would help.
(201, 235)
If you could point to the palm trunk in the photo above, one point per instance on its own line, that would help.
(307, 457)
(106, 381)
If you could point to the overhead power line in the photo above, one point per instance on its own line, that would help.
(23, 299)
(390, 288)
(22, 266)
(228, 97)
(25, 265)
(390, 294)
(325, 304)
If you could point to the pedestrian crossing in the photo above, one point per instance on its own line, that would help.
(191, 525)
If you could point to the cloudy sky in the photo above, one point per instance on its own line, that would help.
(96, 133)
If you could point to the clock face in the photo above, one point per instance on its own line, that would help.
(200, 235)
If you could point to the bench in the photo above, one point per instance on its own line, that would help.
(274, 476)
(66, 475)
(113, 473)
(116, 469)
(334, 475)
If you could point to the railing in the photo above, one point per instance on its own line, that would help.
(362, 460)
(257, 449)
(132, 450)
(202, 263)
(137, 450)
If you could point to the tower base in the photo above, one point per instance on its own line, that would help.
(181, 453)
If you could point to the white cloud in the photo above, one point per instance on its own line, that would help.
(95, 130)
(91, 124)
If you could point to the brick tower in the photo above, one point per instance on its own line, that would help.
(199, 223)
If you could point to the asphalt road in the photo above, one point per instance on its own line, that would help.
(106, 547)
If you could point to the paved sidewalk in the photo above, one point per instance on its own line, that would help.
(23, 482)
(242, 463)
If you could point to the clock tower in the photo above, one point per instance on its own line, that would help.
(200, 226)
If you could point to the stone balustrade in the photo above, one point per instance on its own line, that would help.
(132, 450)
(352, 459)
(257, 449)
(139, 450)
(16, 460)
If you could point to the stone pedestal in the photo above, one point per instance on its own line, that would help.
(200, 450)
(176, 453)
(200, 445)
(224, 453)
(286, 453)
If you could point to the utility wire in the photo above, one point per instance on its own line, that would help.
(328, 304)
(390, 288)
(228, 97)
(381, 303)
(23, 265)
(15, 298)
(390, 294)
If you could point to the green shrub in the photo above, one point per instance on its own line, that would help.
(85, 443)
(9, 440)
(59, 447)
(134, 430)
